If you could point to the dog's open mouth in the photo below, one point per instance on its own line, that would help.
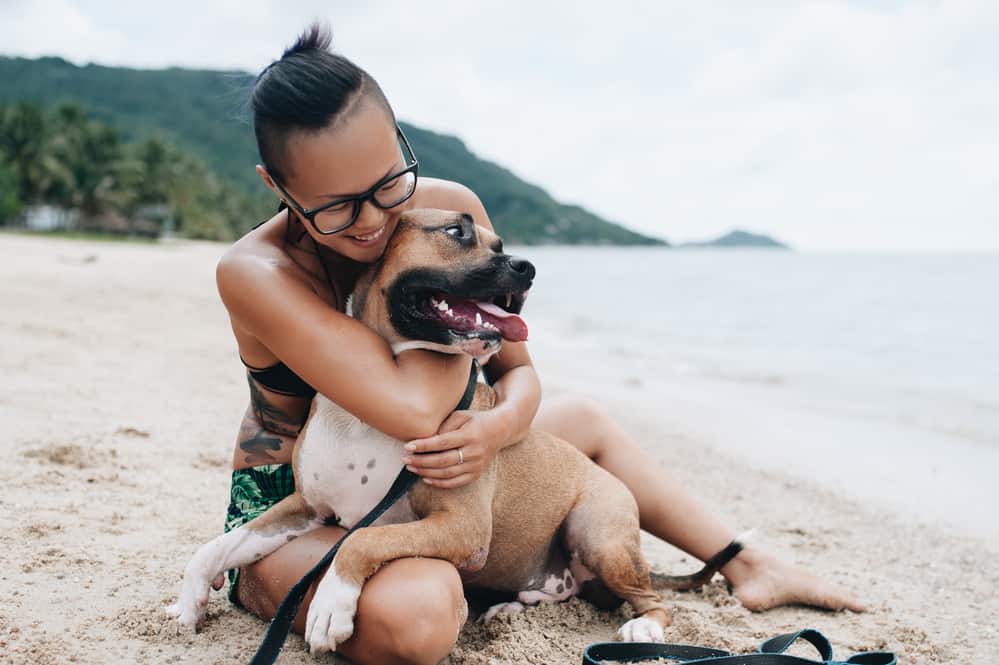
(479, 318)
(473, 310)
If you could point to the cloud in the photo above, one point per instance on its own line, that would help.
(828, 124)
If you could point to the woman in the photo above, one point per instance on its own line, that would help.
(325, 133)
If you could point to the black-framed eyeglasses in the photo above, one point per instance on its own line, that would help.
(341, 213)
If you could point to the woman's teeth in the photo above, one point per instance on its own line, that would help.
(370, 236)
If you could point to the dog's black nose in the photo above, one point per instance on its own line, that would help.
(522, 267)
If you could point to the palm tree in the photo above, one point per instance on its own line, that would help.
(88, 154)
(10, 205)
(22, 141)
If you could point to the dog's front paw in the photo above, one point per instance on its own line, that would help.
(190, 606)
(641, 630)
(330, 620)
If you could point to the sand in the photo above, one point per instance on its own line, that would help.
(120, 399)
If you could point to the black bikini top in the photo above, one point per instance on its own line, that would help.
(280, 379)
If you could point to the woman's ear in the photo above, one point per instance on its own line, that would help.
(266, 177)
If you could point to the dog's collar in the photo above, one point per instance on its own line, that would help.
(399, 347)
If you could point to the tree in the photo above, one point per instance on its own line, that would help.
(22, 142)
(66, 159)
(88, 155)
(10, 205)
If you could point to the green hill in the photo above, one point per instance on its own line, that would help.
(738, 239)
(205, 113)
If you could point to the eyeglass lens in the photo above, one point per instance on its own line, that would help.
(390, 194)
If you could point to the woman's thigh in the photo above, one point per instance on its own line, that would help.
(406, 603)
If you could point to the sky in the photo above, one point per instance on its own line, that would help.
(831, 125)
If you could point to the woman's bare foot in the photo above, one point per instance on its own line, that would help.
(761, 582)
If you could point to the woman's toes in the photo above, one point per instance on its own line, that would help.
(769, 582)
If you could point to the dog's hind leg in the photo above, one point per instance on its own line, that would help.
(552, 583)
(286, 520)
(602, 536)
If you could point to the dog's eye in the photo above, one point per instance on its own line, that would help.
(458, 231)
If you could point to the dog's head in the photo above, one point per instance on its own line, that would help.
(445, 284)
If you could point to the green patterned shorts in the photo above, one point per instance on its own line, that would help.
(253, 491)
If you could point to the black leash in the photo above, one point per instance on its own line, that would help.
(277, 631)
(770, 652)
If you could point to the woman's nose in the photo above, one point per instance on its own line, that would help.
(370, 217)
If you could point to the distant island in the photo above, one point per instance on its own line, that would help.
(735, 239)
(200, 117)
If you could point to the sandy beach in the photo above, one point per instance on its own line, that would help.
(121, 397)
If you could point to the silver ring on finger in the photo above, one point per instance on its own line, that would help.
(461, 457)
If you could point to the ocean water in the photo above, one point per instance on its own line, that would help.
(876, 372)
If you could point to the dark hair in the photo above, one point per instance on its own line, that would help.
(308, 89)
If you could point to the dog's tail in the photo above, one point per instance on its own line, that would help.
(704, 575)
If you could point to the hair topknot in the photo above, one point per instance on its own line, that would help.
(306, 89)
(316, 37)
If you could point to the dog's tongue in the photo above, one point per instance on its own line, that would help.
(510, 326)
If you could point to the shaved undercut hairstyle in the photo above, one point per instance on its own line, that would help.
(308, 89)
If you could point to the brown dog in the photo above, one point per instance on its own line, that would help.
(542, 523)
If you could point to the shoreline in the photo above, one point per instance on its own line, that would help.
(759, 423)
(123, 395)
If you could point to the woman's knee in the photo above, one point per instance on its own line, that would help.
(581, 421)
(416, 609)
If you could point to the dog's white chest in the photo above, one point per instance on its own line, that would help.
(345, 467)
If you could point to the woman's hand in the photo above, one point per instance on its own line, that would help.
(462, 448)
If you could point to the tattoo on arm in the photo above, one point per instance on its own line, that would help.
(271, 417)
(257, 444)
(258, 447)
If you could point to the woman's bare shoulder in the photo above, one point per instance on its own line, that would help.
(262, 245)
(257, 271)
(265, 254)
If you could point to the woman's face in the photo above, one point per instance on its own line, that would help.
(344, 160)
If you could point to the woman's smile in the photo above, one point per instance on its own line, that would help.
(369, 239)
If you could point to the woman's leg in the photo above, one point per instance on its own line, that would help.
(759, 580)
(410, 612)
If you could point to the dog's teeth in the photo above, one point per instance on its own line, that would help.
(478, 319)
(509, 300)
(442, 306)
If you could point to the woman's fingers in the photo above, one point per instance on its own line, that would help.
(436, 460)
(435, 443)
(451, 458)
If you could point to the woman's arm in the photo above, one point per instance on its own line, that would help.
(406, 397)
(479, 434)
(518, 391)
